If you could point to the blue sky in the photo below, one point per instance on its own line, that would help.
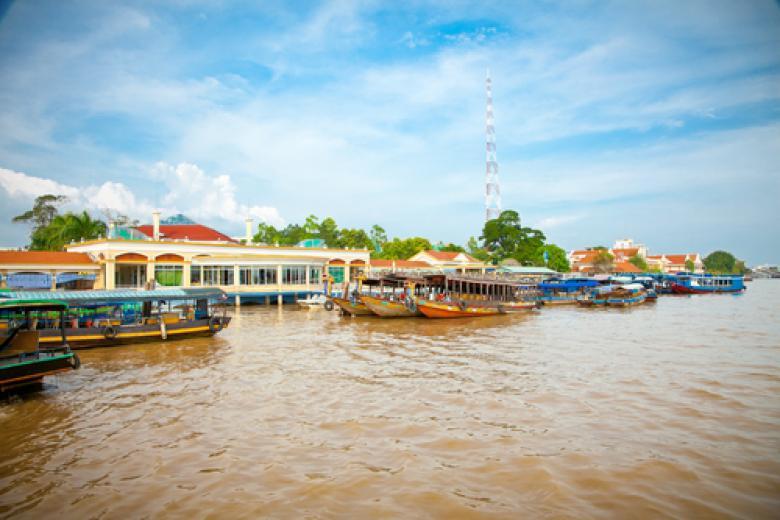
(653, 120)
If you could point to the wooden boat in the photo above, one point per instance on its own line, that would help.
(107, 318)
(596, 297)
(387, 308)
(24, 362)
(461, 297)
(352, 308)
(433, 309)
(627, 295)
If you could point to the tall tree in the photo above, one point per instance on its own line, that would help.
(720, 262)
(354, 239)
(43, 211)
(556, 258)
(399, 249)
(505, 237)
(329, 232)
(378, 237)
(267, 234)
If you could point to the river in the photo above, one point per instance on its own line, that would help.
(670, 409)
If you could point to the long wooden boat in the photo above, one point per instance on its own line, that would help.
(387, 308)
(564, 292)
(356, 308)
(25, 362)
(627, 295)
(108, 318)
(433, 309)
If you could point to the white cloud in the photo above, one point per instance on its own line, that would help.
(557, 221)
(189, 190)
(22, 185)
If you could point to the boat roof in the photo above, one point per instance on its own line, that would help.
(27, 304)
(116, 296)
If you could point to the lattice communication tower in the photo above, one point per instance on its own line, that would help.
(492, 191)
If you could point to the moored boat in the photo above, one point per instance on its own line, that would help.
(351, 307)
(107, 318)
(388, 308)
(456, 297)
(564, 292)
(25, 362)
(707, 283)
(627, 295)
(433, 309)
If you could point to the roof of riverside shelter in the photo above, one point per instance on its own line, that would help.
(195, 232)
(449, 256)
(45, 258)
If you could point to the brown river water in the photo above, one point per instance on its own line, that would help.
(670, 409)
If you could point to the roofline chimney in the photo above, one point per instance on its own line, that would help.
(156, 225)
(250, 224)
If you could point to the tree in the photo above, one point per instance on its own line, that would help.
(477, 252)
(267, 234)
(378, 237)
(556, 258)
(354, 239)
(312, 226)
(639, 262)
(603, 263)
(67, 228)
(453, 248)
(721, 262)
(329, 232)
(690, 266)
(505, 237)
(292, 235)
(43, 211)
(399, 249)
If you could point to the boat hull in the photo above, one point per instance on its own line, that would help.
(444, 310)
(626, 302)
(509, 307)
(558, 300)
(32, 367)
(353, 309)
(128, 334)
(686, 289)
(386, 309)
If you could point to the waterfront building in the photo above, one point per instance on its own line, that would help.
(626, 248)
(46, 270)
(451, 261)
(193, 255)
(378, 267)
(675, 263)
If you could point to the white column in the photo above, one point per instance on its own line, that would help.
(110, 276)
(186, 274)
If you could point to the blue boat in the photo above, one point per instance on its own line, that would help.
(556, 291)
(707, 283)
(627, 295)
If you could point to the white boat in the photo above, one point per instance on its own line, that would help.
(313, 302)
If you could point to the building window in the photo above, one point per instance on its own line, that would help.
(195, 275)
(132, 275)
(293, 275)
(315, 274)
(249, 275)
(217, 275)
(337, 273)
(168, 275)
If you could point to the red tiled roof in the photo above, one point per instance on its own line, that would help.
(680, 259)
(586, 257)
(399, 264)
(448, 256)
(626, 267)
(44, 258)
(194, 232)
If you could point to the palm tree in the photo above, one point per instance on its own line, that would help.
(66, 228)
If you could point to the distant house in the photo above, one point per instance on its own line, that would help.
(582, 261)
(451, 261)
(675, 263)
(47, 270)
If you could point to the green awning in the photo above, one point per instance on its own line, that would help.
(116, 296)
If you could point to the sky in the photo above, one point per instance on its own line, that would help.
(654, 120)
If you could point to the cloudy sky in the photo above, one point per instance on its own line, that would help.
(653, 120)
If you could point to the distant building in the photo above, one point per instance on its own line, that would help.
(623, 250)
(675, 263)
(46, 270)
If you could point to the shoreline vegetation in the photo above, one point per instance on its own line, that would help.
(503, 239)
